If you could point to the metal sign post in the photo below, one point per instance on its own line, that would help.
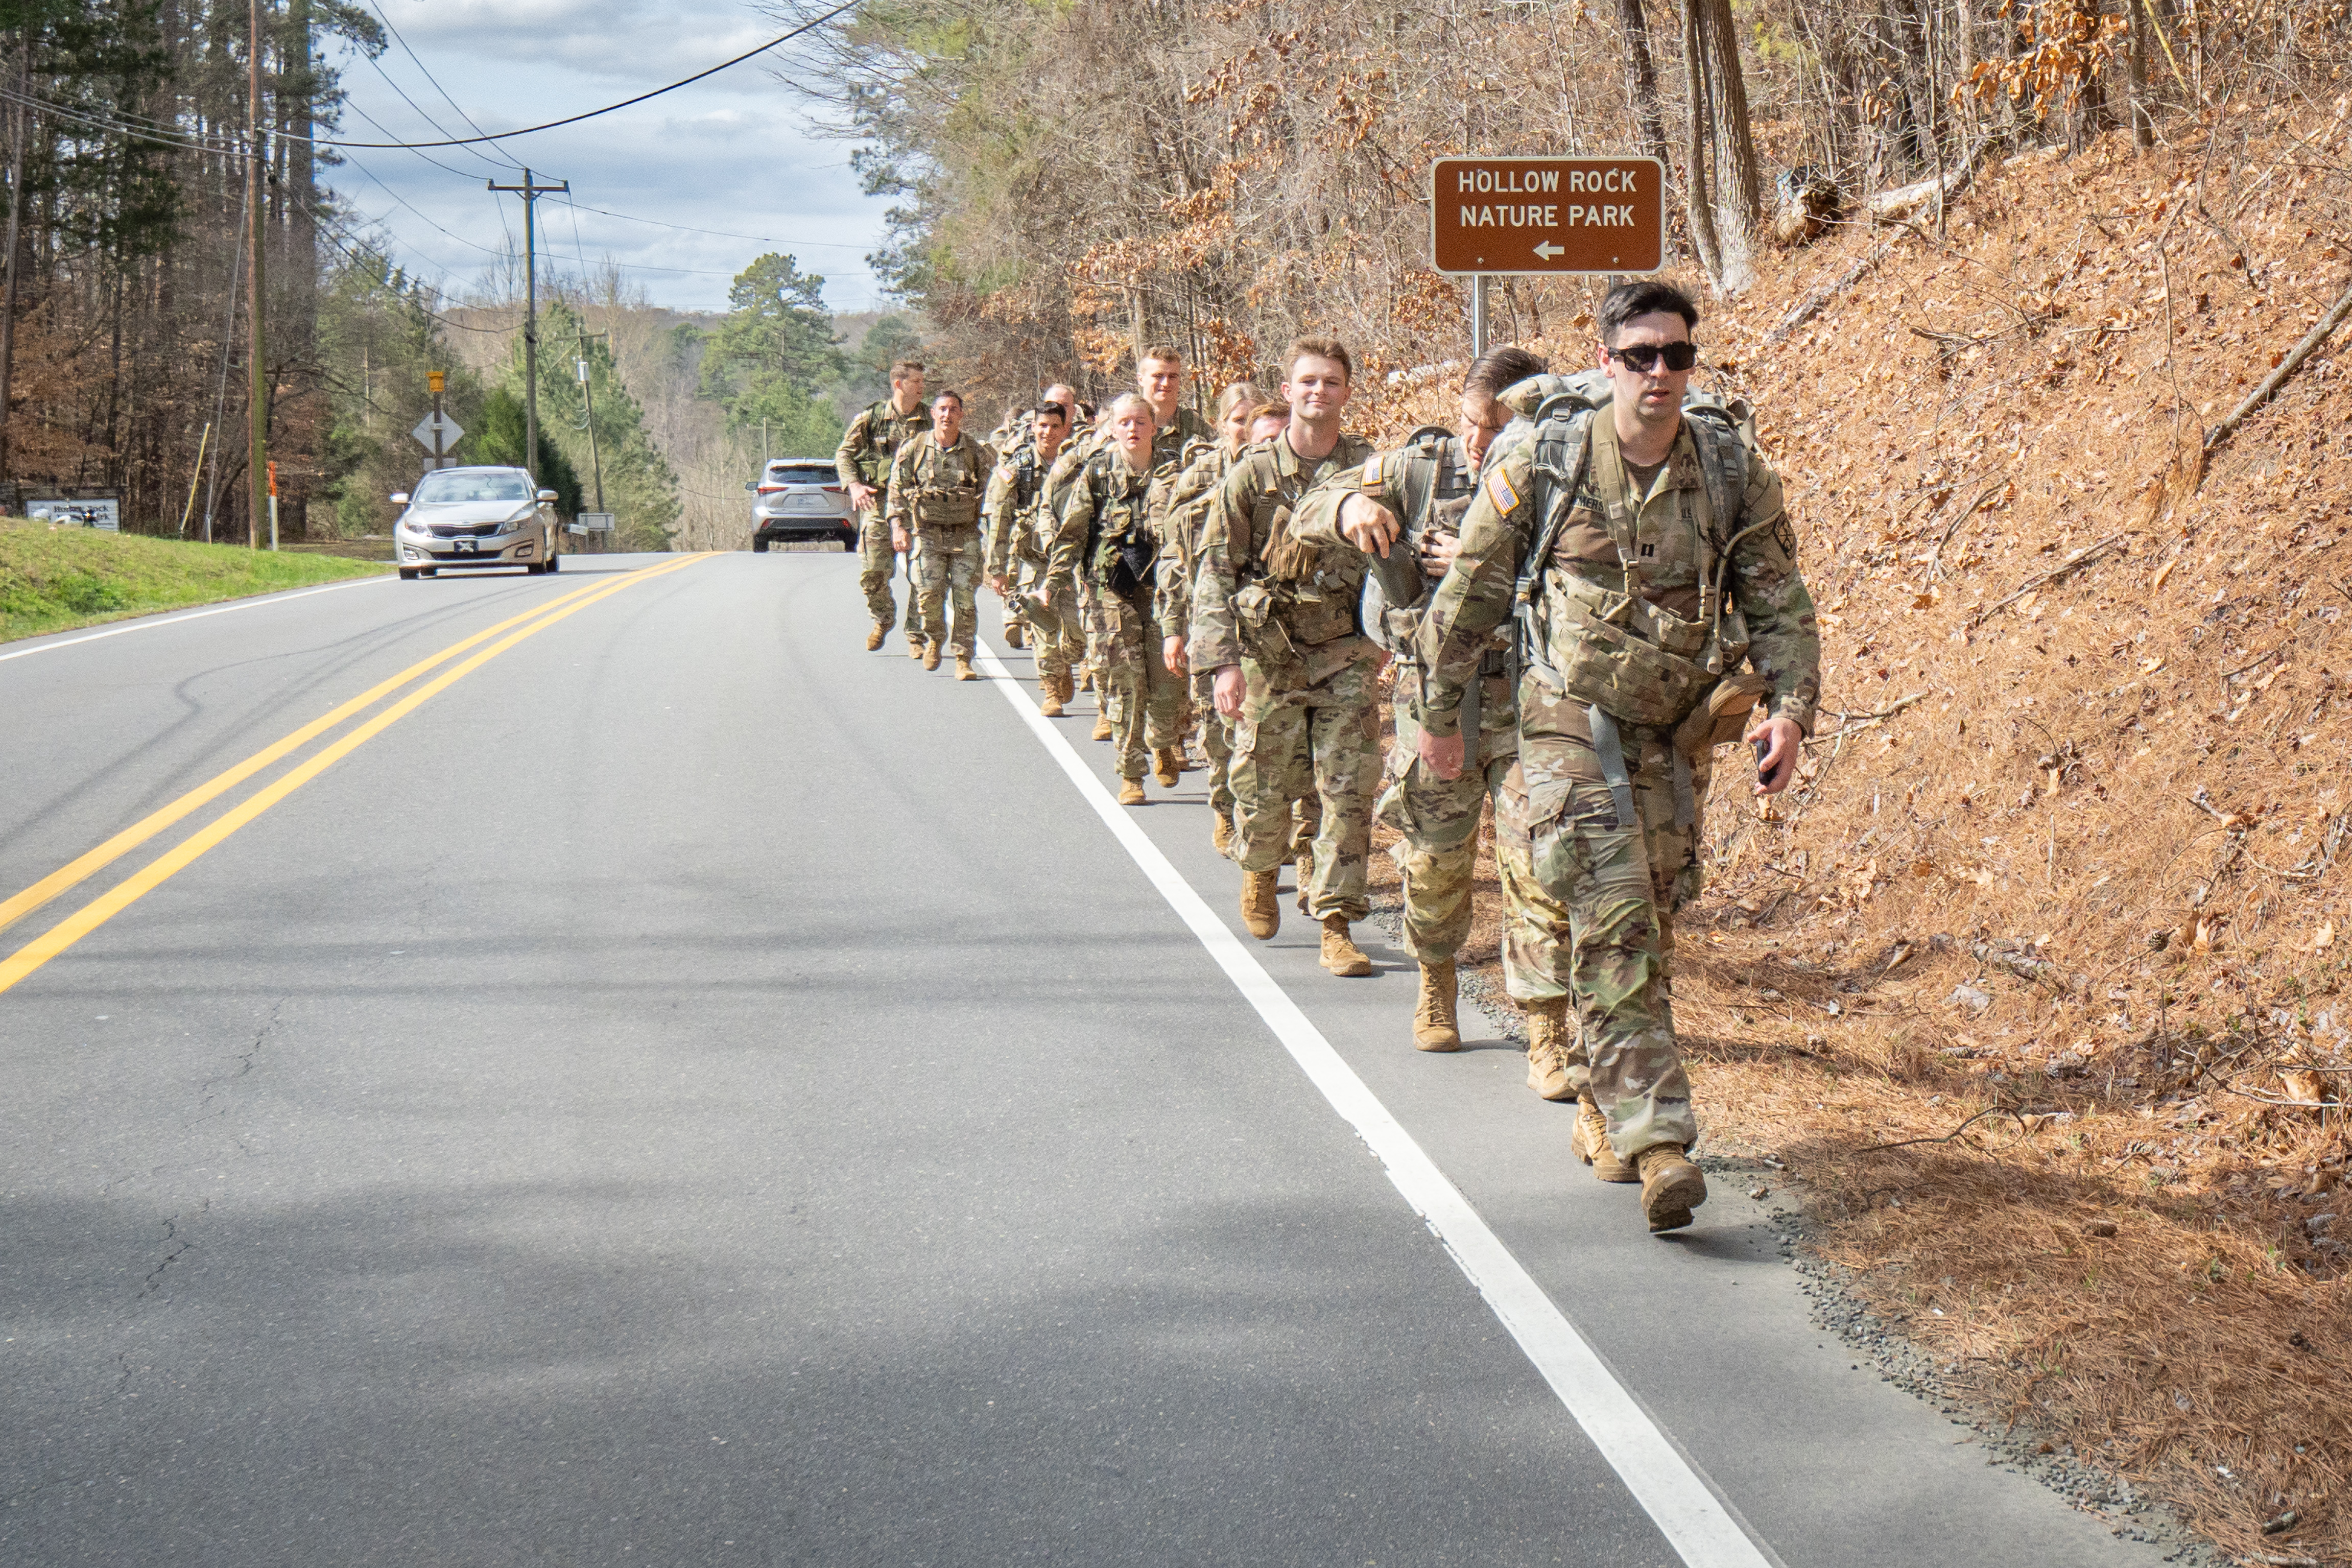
(1546, 217)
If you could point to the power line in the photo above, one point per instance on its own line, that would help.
(444, 92)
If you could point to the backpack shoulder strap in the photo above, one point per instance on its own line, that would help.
(1563, 449)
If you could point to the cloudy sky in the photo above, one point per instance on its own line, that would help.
(730, 153)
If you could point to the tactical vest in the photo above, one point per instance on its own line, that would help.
(1120, 545)
(887, 430)
(1437, 484)
(1302, 596)
(946, 494)
(1602, 643)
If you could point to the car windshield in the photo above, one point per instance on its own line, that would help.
(441, 490)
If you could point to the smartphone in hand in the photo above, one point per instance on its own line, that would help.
(1763, 750)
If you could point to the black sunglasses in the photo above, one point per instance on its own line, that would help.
(1644, 357)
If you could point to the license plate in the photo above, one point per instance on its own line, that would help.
(807, 504)
(465, 546)
(816, 546)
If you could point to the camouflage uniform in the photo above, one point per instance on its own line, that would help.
(867, 449)
(1284, 611)
(1190, 496)
(1018, 526)
(1106, 536)
(935, 494)
(1428, 484)
(1608, 872)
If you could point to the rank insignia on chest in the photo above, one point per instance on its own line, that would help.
(1499, 491)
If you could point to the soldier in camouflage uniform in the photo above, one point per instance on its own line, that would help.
(1018, 527)
(1275, 616)
(1015, 442)
(863, 460)
(1424, 487)
(1106, 533)
(936, 485)
(1186, 508)
(1672, 562)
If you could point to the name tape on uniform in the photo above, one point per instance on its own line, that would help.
(1547, 215)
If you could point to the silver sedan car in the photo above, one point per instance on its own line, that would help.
(468, 518)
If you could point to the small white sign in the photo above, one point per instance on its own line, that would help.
(596, 522)
(101, 514)
(438, 433)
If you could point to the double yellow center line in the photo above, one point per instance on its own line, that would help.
(105, 907)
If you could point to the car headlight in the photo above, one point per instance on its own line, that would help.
(413, 526)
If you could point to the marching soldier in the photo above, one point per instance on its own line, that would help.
(1275, 616)
(1018, 528)
(1190, 496)
(1671, 563)
(867, 449)
(936, 485)
(1421, 490)
(1106, 533)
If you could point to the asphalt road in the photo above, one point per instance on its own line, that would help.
(689, 1091)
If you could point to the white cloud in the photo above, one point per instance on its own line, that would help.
(728, 153)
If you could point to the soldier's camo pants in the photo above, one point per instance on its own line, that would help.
(1600, 929)
(1057, 646)
(1148, 701)
(946, 576)
(1217, 742)
(878, 562)
(1330, 731)
(1436, 822)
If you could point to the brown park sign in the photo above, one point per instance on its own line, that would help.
(1547, 215)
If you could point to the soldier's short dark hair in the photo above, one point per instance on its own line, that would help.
(947, 395)
(1321, 348)
(1271, 411)
(1055, 409)
(1168, 352)
(1499, 368)
(901, 369)
(1627, 300)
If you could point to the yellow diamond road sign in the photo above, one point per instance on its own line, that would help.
(1547, 215)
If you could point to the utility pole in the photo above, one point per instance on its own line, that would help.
(588, 391)
(257, 349)
(529, 191)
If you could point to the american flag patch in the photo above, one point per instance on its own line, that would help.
(1371, 475)
(1499, 491)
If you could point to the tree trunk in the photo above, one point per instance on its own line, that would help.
(1735, 134)
(1642, 78)
(1698, 192)
(21, 127)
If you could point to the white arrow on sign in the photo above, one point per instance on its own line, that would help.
(1546, 250)
(438, 433)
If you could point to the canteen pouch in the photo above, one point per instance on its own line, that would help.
(1260, 627)
(1724, 717)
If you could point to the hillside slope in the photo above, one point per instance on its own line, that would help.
(2056, 908)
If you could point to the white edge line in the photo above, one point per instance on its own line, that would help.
(175, 617)
(1694, 1520)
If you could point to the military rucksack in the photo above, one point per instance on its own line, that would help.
(1396, 582)
(1637, 662)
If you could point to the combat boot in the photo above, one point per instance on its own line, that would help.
(1547, 1048)
(1051, 705)
(1341, 956)
(1670, 1186)
(1167, 767)
(964, 670)
(1435, 1026)
(1221, 833)
(1261, 908)
(1102, 727)
(914, 647)
(1087, 680)
(1014, 638)
(1130, 791)
(874, 638)
(1589, 1143)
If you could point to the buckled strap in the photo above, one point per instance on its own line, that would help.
(1613, 765)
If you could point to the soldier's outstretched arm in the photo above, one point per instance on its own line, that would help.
(1475, 595)
(1784, 635)
(854, 442)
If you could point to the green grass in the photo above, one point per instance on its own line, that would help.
(53, 580)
